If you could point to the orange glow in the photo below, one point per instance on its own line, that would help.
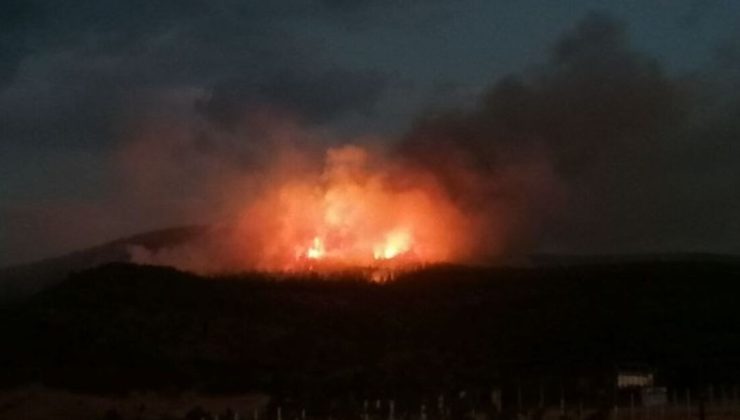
(396, 243)
(359, 210)
(316, 251)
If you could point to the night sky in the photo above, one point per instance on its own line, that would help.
(635, 105)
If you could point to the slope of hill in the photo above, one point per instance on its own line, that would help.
(570, 260)
(124, 326)
(22, 280)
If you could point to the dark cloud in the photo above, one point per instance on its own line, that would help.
(15, 25)
(315, 96)
(697, 12)
(88, 66)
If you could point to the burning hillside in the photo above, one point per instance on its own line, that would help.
(358, 210)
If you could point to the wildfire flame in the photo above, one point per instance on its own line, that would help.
(396, 243)
(358, 211)
(316, 251)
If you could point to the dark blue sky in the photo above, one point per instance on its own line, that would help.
(74, 75)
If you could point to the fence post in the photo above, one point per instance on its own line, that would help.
(688, 403)
(562, 400)
(616, 411)
(519, 397)
(496, 400)
(542, 395)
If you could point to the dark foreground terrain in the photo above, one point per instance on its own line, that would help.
(123, 327)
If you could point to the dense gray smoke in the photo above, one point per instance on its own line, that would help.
(626, 157)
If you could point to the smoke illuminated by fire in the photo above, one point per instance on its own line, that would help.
(351, 207)
(358, 211)
(285, 206)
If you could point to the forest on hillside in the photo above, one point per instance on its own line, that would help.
(120, 327)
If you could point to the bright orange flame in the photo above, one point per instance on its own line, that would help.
(396, 243)
(317, 250)
(359, 211)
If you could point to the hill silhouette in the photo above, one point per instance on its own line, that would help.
(25, 279)
(121, 326)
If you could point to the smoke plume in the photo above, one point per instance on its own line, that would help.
(596, 150)
(576, 155)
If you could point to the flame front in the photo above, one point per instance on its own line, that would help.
(396, 243)
(316, 251)
(358, 211)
